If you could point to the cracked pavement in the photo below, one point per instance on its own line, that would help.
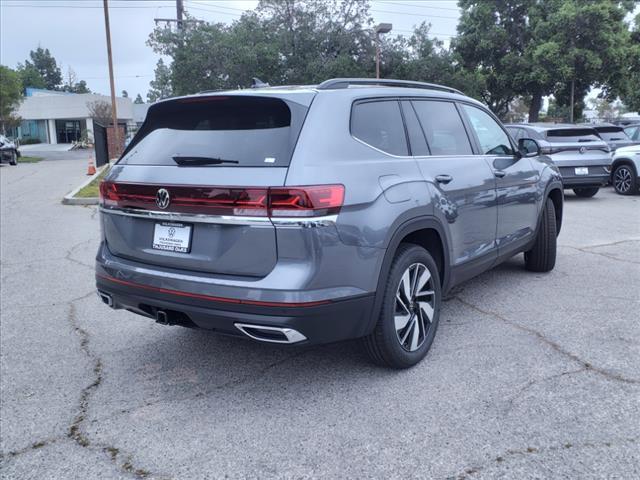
(530, 375)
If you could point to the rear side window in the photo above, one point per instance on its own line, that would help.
(493, 139)
(572, 135)
(241, 131)
(610, 134)
(633, 132)
(443, 127)
(379, 124)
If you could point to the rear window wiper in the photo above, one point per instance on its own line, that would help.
(199, 161)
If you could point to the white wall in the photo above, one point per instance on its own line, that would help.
(44, 107)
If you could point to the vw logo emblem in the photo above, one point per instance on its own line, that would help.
(583, 149)
(163, 199)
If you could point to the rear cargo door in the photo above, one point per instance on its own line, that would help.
(190, 191)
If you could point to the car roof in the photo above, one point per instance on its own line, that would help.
(545, 127)
(341, 87)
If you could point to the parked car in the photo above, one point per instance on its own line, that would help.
(614, 135)
(583, 158)
(306, 215)
(625, 168)
(633, 131)
(8, 151)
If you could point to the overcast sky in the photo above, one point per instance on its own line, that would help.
(73, 30)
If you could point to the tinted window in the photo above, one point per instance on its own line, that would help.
(253, 131)
(443, 128)
(416, 136)
(572, 135)
(633, 132)
(379, 124)
(493, 139)
(612, 133)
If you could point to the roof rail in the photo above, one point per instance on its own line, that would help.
(336, 83)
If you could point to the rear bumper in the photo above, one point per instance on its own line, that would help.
(318, 322)
(597, 177)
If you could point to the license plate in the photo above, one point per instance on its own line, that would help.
(172, 237)
(582, 171)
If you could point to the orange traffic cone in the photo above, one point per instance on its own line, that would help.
(92, 168)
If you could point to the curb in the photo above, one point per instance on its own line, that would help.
(69, 199)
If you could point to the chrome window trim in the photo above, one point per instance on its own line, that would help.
(223, 219)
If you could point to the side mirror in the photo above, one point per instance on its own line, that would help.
(528, 147)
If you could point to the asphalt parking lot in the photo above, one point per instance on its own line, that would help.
(530, 375)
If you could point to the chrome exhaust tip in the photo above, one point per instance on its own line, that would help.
(263, 333)
(106, 298)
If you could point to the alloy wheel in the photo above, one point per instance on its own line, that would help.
(622, 179)
(414, 306)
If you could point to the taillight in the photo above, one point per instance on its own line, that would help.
(307, 201)
(310, 201)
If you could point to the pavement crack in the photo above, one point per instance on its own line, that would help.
(554, 345)
(75, 431)
(469, 472)
(34, 446)
(71, 250)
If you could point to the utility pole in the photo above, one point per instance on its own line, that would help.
(114, 112)
(179, 13)
(573, 86)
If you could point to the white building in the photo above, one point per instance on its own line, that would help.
(61, 117)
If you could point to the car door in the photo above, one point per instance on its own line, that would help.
(516, 179)
(463, 183)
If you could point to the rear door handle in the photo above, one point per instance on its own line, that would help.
(499, 173)
(443, 178)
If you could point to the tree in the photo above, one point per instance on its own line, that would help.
(492, 38)
(10, 95)
(534, 48)
(627, 84)
(138, 100)
(100, 111)
(30, 76)
(161, 85)
(45, 64)
(73, 85)
(125, 94)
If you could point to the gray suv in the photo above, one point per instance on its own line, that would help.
(313, 214)
(583, 157)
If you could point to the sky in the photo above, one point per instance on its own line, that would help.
(74, 32)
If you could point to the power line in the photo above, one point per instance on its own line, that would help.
(418, 6)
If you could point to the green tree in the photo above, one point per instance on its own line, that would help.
(533, 48)
(125, 94)
(73, 85)
(10, 95)
(45, 64)
(161, 85)
(30, 76)
(138, 100)
(627, 84)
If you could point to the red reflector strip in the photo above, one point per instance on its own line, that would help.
(212, 298)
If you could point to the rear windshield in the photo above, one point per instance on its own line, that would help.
(220, 131)
(572, 135)
(612, 133)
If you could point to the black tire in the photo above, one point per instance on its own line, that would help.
(14, 159)
(384, 345)
(542, 257)
(624, 180)
(586, 192)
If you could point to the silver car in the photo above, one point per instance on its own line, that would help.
(584, 159)
(626, 165)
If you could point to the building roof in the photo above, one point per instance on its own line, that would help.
(45, 104)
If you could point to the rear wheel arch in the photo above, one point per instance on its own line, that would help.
(556, 196)
(624, 161)
(426, 232)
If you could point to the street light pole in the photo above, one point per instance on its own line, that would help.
(114, 112)
(381, 28)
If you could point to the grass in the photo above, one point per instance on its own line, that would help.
(24, 159)
(92, 190)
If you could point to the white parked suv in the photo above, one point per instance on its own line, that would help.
(624, 170)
